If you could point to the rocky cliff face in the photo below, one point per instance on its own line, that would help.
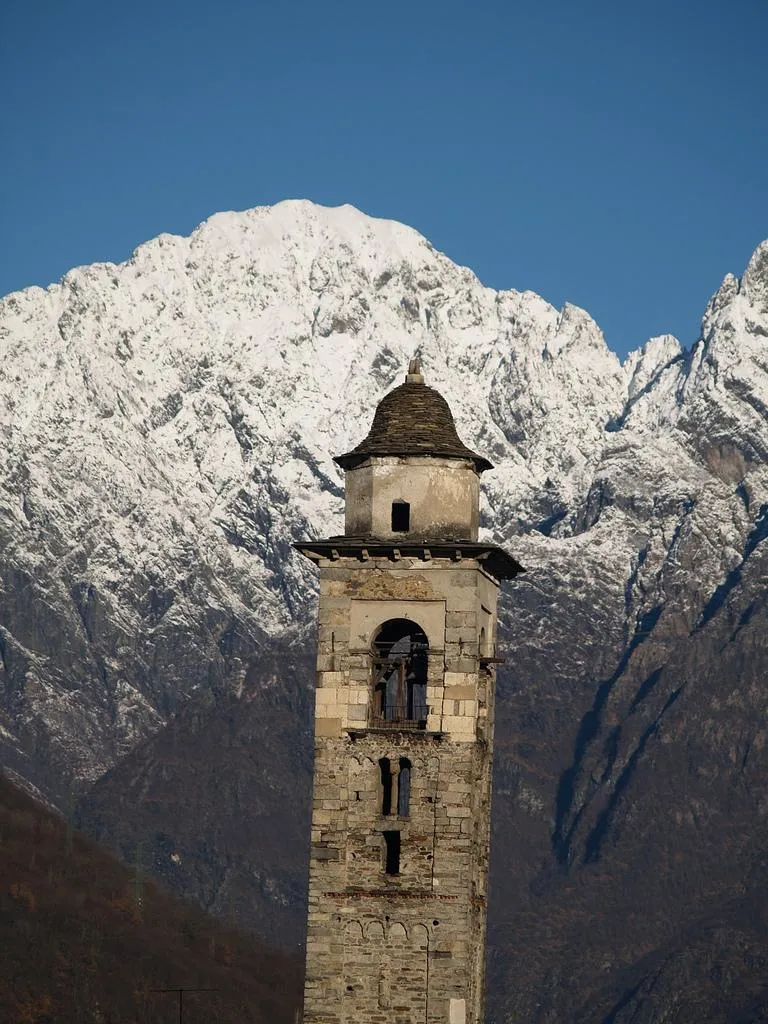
(167, 429)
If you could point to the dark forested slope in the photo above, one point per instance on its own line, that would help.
(85, 939)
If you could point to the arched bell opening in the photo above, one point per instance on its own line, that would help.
(399, 657)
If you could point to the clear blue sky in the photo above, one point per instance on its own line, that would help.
(612, 154)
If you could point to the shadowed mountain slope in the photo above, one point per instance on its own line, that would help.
(86, 939)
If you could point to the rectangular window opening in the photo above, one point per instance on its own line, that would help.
(401, 517)
(386, 785)
(392, 853)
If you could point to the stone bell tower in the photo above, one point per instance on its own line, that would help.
(404, 728)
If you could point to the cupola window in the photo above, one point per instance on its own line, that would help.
(401, 517)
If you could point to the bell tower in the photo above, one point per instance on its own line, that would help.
(403, 728)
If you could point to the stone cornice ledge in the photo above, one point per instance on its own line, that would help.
(495, 560)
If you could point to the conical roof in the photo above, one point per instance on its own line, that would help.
(413, 420)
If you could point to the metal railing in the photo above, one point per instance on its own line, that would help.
(400, 716)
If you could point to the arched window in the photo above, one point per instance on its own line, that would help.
(404, 788)
(400, 675)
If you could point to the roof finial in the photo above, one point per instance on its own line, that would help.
(414, 375)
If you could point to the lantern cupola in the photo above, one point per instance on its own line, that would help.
(412, 477)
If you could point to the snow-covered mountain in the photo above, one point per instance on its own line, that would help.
(168, 424)
(167, 430)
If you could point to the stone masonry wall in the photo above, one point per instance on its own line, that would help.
(410, 947)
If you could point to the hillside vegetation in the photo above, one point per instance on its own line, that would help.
(85, 939)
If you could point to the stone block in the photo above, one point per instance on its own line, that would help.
(459, 693)
(335, 635)
(457, 1011)
(325, 663)
(465, 578)
(459, 728)
(326, 711)
(330, 573)
(461, 678)
(464, 620)
(457, 636)
(328, 727)
(460, 662)
(339, 599)
(334, 618)
(333, 678)
(323, 853)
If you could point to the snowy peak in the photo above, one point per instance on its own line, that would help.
(644, 366)
(754, 283)
(727, 383)
(169, 425)
(167, 429)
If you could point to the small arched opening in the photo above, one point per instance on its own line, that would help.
(404, 788)
(400, 674)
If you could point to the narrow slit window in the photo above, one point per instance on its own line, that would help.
(401, 517)
(404, 788)
(392, 853)
(385, 769)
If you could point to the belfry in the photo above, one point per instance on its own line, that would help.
(403, 728)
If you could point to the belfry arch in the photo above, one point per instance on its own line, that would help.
(399, 673)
